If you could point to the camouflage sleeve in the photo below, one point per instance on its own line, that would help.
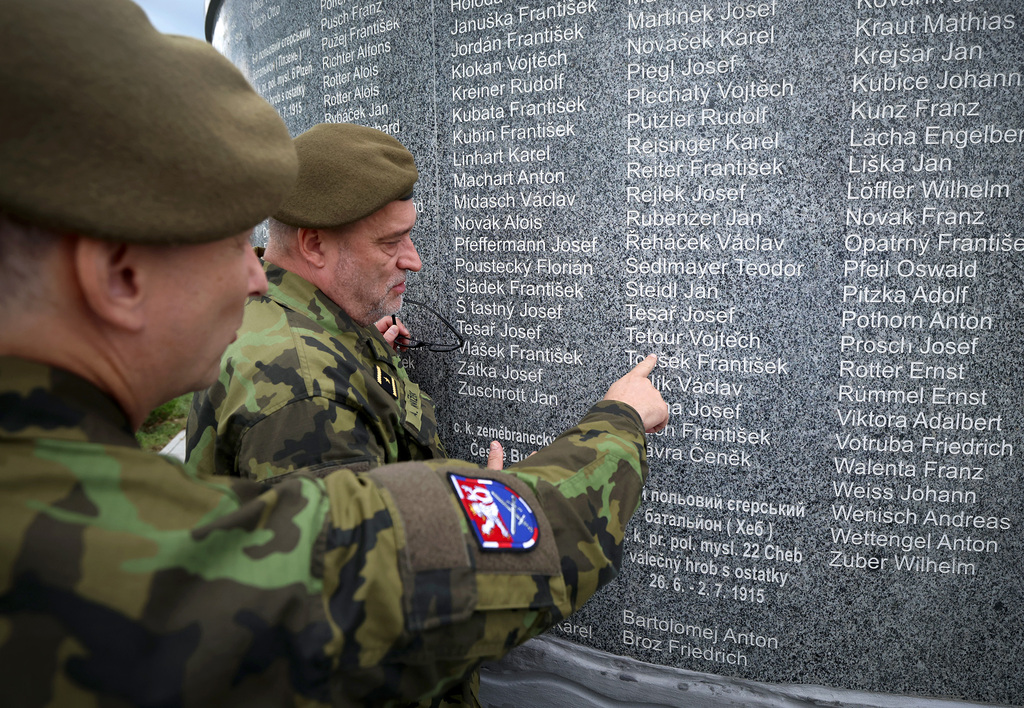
(313, 434)
(412, 629)
(353, 589)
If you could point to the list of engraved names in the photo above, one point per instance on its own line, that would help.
(705, 144)
(920, 433)
(516, 107)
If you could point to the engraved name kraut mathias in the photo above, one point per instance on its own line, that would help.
(809, 211)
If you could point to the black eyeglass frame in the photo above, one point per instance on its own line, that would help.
(407, 343)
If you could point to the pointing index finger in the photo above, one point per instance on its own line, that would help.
(645, 367)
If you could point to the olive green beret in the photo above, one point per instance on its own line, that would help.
(111, 129)
(346, 172)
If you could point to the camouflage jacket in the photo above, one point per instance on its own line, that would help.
(126, 579)
(304, 385)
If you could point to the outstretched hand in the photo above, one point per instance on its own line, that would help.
(636, 390)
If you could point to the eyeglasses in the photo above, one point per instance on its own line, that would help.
(409, 343)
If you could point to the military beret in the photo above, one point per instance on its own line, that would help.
(111, 129)
(346, 172)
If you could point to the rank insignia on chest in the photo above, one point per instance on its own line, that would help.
(387, 382)
(500, 518)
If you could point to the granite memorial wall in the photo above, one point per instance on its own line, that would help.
(811, 212)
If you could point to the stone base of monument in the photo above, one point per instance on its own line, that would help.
(550, 672)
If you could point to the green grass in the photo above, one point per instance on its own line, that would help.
(164, 423)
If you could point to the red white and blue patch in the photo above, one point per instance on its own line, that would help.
(501, 519)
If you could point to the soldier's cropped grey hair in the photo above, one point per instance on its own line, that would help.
(23, 247)
(280, 237)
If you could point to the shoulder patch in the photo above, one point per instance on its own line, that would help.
(500, 518)
(387, 382)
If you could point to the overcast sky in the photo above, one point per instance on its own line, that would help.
(176, 16)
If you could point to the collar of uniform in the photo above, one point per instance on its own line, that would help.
(40, 401)
(298, 294)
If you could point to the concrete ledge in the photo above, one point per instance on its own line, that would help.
(548, 672)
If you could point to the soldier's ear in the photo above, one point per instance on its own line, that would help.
(312, 247)
(111, 279)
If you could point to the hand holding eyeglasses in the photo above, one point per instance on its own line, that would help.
(402, 338)
(391, 328)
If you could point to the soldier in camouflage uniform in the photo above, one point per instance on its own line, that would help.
(132, 168)
(312, 381)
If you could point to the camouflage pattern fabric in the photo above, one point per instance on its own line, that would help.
(304, 386)
(126, 579)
